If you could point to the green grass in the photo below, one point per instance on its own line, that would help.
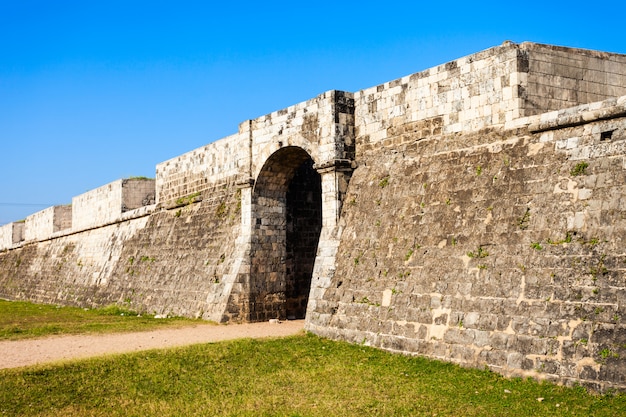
(22, 320)
(295, 376)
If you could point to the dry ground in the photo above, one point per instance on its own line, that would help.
(18, 353)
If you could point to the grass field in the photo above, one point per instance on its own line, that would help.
(295, 376)
(21, 320)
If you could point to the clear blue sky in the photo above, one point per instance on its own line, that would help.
(91, 92)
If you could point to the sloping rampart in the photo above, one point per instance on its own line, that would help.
(501, 248)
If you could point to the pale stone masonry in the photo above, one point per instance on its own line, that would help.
(11, 234)
(43, 224)
(473, 212)
(491, 88)
(106, 204)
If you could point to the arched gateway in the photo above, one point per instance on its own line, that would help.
(300, 162)
(287, 220)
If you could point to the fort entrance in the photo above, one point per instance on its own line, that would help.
(286, 226)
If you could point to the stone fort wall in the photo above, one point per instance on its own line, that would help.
(472, 212)
(500, 248)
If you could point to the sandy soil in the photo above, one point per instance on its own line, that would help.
(18, 353)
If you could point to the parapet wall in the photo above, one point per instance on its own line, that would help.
(106, 204)
(490, 88)
(118, 201)
(467, 94)
(11, 235)
(43, 224)
(97, 207)
(218, 163)
(558, 79)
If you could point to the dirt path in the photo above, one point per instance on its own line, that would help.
(18, 353)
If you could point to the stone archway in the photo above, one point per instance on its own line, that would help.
(286, 226)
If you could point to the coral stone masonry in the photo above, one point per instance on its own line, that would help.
(474, 212)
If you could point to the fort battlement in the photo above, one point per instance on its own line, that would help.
(497, 87)
(111, 203)
(472, 212)
(45, 223)
(108, 203)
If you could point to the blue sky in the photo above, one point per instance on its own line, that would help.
(91, 92)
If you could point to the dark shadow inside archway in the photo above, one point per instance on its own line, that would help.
(287, 214)
(304, 223)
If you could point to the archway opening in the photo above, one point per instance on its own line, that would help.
(287, 210)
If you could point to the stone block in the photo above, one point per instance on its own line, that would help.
(459, 336)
